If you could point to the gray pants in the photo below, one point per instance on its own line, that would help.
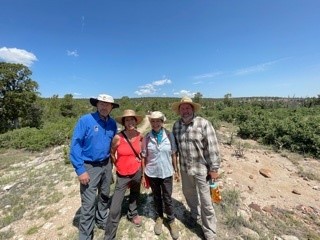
(95, 199)
(197, 193)
(123, 182)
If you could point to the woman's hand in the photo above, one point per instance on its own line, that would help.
(177, 176)
(145, 182)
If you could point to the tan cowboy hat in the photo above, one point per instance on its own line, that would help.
(129, 113)
(176, 105)
(157, 115)
(103, 98)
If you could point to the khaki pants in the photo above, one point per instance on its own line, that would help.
(197, 193)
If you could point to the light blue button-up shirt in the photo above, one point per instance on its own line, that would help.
(158, 161)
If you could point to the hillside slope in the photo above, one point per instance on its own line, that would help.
(47, 193)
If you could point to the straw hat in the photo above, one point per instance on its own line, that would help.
(157, 115)
(103, 98)
(176, 105)
(129, 113)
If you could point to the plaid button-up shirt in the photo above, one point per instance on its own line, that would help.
(197, 146)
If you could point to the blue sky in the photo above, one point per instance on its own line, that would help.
(146, 48)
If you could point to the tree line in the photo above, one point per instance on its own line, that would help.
(31, 122)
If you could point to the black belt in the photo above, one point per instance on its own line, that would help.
(98, 163)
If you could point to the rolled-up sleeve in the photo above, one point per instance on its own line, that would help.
(211, 147)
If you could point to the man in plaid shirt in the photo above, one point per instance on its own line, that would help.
(199, 161)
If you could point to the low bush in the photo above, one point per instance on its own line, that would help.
(32, 139)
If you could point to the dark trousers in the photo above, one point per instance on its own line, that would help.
(95, 198)
(122, 184)
(162, 191)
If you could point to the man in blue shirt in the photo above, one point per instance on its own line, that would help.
(89, 154)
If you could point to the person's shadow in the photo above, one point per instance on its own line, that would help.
(184, 216)
(146, 209)
(76, 218)
(144, 198)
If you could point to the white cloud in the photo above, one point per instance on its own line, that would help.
(151, 88)
(253, 69)
(184, 93)
(161, 82)
(208, 75)
(147, 89)
(15, 55)
(196, 83)
(76, 94)
(73, 53)
(82, 23)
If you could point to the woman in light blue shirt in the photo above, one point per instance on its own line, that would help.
(159, 162)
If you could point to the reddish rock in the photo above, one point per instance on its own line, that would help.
(265, 172)
(255, 206)
(268, 209)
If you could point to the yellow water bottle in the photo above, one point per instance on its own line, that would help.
(215, 192)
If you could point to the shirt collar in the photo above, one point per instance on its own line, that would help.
(191, 121)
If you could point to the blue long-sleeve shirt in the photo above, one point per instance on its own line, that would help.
(91, 141)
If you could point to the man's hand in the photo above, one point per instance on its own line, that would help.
(214, 175)
(84, 178)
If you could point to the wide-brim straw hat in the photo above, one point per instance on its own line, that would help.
(157, 115)
(129, 113)
(176, 105)
(103, 98)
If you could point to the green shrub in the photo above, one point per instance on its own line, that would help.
(32, 139)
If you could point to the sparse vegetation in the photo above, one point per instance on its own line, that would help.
(309, 175)
(4, 235)
(33, 185)
(32, 230)
(239, 151)
(229, 208)
(40, 183)
(30, 188)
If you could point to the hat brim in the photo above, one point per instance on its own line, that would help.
(138, 117)
(163, 119)
(176, 105)
(94, 102)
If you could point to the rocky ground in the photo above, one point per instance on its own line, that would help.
(268, 182)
